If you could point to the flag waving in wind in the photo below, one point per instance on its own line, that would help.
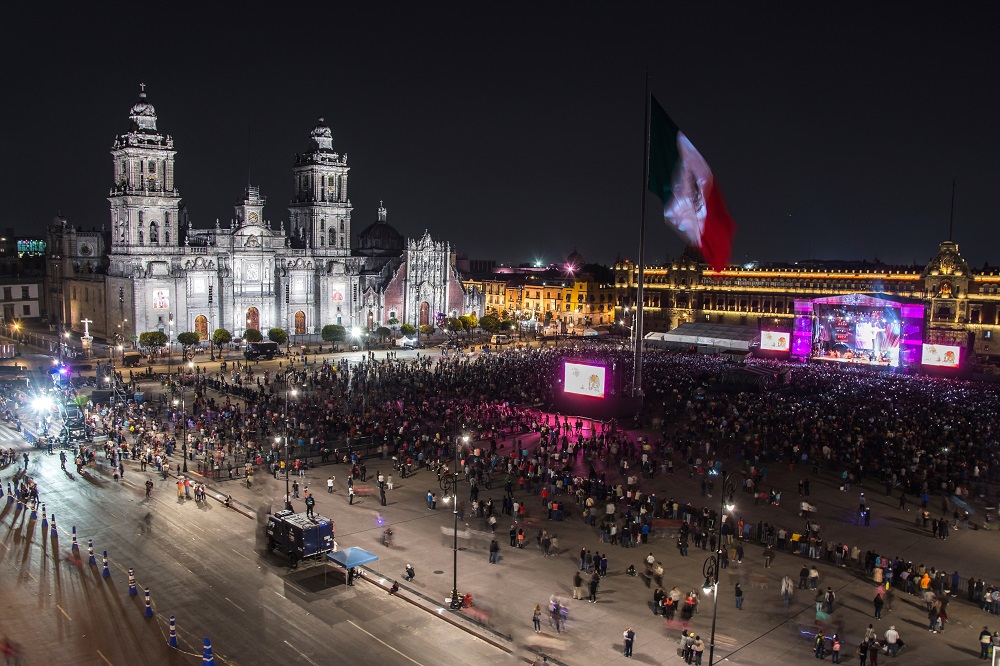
(692, 200)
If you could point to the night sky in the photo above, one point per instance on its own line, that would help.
(515, 130)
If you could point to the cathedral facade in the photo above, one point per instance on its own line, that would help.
(152, 271)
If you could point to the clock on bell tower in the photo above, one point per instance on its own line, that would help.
(250, 210)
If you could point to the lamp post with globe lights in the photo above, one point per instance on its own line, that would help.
(449, 486)
(712, 566)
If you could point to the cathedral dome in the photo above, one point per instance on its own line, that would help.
(575, 260)
(380, 238)
(142, 114)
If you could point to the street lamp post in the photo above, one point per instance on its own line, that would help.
(712, 566)
(449, 484)
(288, 392)
(184, 434)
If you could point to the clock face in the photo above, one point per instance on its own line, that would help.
(253, 218)
(86, 250)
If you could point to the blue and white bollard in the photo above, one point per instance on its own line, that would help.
(206, 656)
(149, 604)
(90, 549)
(10, 495)
(107, 572)
(172, 641)
(76, 546)
(34, 510)
(55, 533)
(132, 591)
(45, 521)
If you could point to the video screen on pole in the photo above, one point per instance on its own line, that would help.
(775, 340)
(946, 356)
(584, 379)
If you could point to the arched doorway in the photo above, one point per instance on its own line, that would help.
(201, 326)
(370, 324)
(253, 319)
(425, 313)
(300, 323)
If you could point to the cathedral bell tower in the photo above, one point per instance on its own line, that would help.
(320, 211)
(145, 203)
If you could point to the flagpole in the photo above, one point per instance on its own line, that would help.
(637, 377)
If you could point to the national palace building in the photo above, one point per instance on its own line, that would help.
(960, 305)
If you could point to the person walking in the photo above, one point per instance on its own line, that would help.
(536, 618)
(577, 585)
(329, 484)
(787, 588)
(819, 645)
(835, 649)
(878, 603)
(768, 556)
(831, 596)
(350, 495)
(803, 577)
(310, 504)
(863, 652)
(813, 577)
(985, 641)
(595, 580)
(739, 597)
(494, 552)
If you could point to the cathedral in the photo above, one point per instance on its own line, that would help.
(154, 271)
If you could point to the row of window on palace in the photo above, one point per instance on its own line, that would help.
(9, 293)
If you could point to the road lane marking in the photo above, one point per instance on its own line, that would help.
(300, 654)
(106, 661)
(240, 554)
(234, 603)
(64, 612)
(351, 622)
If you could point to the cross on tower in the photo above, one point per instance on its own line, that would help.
(142, 87)
(86, 327)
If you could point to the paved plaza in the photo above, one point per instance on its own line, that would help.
(207, 565)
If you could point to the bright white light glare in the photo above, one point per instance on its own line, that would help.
(42, 403)
(356, 332)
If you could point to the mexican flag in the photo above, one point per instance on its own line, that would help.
(692, 200)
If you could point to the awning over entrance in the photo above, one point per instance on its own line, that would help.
(352, 557)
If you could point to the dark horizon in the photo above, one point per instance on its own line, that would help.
(518, 137)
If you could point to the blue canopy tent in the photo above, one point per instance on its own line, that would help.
(352, 557)
(349, 558)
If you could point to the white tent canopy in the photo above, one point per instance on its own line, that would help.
(718, 336)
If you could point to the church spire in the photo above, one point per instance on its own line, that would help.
(381, 212)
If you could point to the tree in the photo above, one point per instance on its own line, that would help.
(221, 337)
(427, 329)
(469, 322)
(455, 325)
(153, 339)
(383, 333)
(277, 335)
(393, 322)
(407, 329)
(188, 339)
(490, 323)
(253, 335)
(334, 333)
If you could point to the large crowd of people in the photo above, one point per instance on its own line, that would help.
(928, 440)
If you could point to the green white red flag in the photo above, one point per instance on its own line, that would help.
(692, 200)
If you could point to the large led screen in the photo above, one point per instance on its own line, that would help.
(945, 356)
(583, 379)
(775, 340)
